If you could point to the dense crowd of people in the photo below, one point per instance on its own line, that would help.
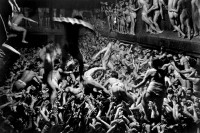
(125, 88)
(122, 16)
(95, 84)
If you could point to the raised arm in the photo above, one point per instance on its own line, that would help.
(145, 79)
(43, 114)
(109, 109)
(106, 83)
(165, 66)
(117, 113)
(4, 105)
(195, 116)
(15, 4)
(111, 129)
(175, 111)
(192, 79)
(100, 52)
(102, 121)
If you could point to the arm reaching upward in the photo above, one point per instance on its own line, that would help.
(145, 79)
(100, 52)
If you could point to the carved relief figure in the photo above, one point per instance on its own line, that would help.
(122, 20)
(110, 14)
(161, 4)
(196, 16)
(145, 4)
(128, 18)
(114, 19)
(185, 16)
(118, 17)
(156, 8)
(173, 10)
(107, 12)
(133, 16)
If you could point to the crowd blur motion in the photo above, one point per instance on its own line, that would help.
(95, 84)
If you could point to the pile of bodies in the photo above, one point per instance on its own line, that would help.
(125, 89)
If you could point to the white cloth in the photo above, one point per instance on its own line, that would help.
(73, 21)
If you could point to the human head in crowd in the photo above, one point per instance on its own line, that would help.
(122, 47)
(78, 111)
(114, 74)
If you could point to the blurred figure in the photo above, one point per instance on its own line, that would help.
(70, 44)
(56, 26)
(40, 16)
(16, 20)
(47, 17)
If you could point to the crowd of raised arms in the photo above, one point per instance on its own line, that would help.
(125, 89)
(122, 15)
